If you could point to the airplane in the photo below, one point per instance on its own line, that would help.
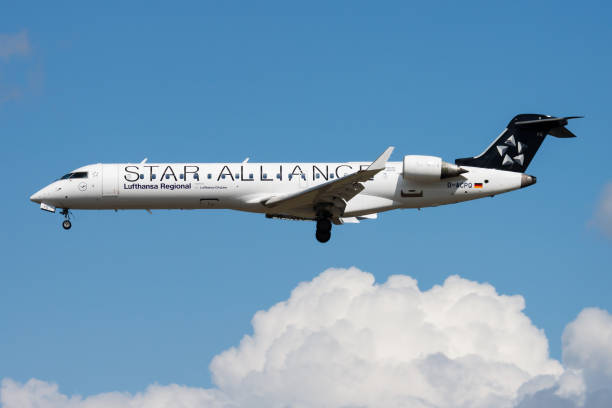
(327, 193)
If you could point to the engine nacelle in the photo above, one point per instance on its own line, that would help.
(429, 168)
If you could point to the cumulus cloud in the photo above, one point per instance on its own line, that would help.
(40, 394)
(587, 346)
(458, 344)
(14, 44)
(603, 214)
(587, 358)
(342, 340)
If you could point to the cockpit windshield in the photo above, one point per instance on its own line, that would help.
(75, 175)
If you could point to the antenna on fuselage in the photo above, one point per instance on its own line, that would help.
(246, 160)
(144, 160)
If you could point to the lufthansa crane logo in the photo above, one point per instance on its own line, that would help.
(82, 186)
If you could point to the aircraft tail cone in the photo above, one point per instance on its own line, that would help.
(527, 180)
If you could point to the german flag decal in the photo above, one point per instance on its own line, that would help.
(477, 185)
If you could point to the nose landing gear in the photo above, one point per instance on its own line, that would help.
(66, 224)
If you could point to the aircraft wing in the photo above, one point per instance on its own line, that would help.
(337, 192)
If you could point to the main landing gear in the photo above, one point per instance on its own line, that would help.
(66, 224)
(324, 227)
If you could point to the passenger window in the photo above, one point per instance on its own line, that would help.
(237, 176)
(331, 175)
(265, 175)
(278, 176)
(303, 176)
(318, 175)
(153, 176)
(290, 176)
(223, 176)
(167, 176)
(196, 176)
(250, 175)
(142, 176)
(209, 176)
(181, 176)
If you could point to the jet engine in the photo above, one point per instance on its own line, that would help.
(429, 168)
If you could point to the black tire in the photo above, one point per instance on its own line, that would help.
(323, 236)
(66, 224)
(324, 224)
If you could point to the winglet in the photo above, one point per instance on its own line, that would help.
(381, 162)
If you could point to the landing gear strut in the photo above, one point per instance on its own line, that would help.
(66, 224)
(324, 227)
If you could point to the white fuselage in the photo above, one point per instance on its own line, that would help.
(246, 186)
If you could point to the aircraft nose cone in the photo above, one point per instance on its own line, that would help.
(37, 197)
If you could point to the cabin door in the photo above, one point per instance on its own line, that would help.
(110, 180)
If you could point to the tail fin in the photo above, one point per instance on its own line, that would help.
(514, 149)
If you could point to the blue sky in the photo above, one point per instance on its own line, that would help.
(127, 299)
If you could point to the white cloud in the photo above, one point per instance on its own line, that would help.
(28, 78)
(40, 394)
(14, 44)
(603, 215)
(341, 340)
(459, 344)
(587, 357)
(587, 346)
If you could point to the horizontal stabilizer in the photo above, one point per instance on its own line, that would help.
(548, 121)
(552, 126)
(561, 132)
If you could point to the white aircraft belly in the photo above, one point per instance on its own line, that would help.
(366, 204)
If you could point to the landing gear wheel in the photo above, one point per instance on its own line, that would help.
(324, 224)
(324, 227)
(66, 224)
(323, 236)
